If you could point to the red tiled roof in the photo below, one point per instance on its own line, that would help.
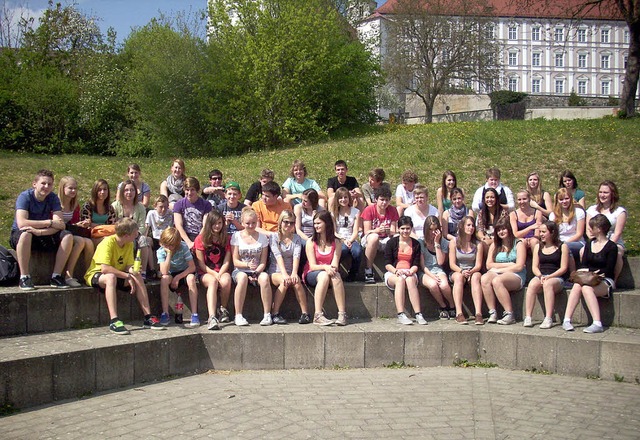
(560, 9)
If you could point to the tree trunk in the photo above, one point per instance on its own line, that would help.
(630, 87)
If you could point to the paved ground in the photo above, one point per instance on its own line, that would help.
(419, 403)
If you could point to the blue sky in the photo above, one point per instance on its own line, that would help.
(122, 15)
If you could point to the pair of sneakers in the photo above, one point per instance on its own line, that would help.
(593, 328)
(405, 320)
(119, 328)
(546, 322)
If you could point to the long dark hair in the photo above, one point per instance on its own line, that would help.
(445, 190)
(94, 194)
(552, 227)
(329, 232)
(507, 242)
(485, 209)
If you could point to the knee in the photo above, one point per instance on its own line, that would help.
(166, 280)
(109, 279)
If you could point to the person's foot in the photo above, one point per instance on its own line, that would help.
(452, 312)
(266, 320)
(223, 315)
(118, 328)
(195, 320)
(478, 319)
(460, 319)
(420, 319)
(546, 323)
(527, 322)
(444, 313)
(342, 319)
(304, 319)
(58, 282)
(164, 319)
(240, 321)
(594, 328)
(72, 282)
(213, 323)
(507, 319)
(153, 323)
(567, 326)
(404, 319)
(320, 319)
(26, 284)
(278, 319)
(493, 317)
(368, 278)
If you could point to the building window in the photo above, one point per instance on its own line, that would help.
(489, 31)
(606, 88)
(513, 84)
(625, 60)
(535, 86)
(535, 33)
(582, 87)
(582, 35)
(582, 60)
(604, 61)
(513, 58)
(558, 34)
(559, 86)
(535, 59)
(604, 35)
(559, 60)
(626, 36)
(513, 33)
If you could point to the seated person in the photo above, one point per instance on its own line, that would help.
(38, 225)
(380, 222)
(255, 190)
(342, 180)
(213, 192)
(404, 191)
(144, 190)
(173, 185)
(112, 268)
(297, 182)
(505, 195)
(420, 210)
(376, 180)
(231, 208)
(189, 212)
(269, 208)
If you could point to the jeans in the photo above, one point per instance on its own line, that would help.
(356, 256)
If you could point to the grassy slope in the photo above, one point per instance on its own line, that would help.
(594, 150)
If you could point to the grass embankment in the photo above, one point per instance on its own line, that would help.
(593, 149)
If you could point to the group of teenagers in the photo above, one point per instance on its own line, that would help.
(280, 238)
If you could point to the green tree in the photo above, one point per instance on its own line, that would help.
(283, 71)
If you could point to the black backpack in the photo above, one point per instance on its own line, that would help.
(9, 270)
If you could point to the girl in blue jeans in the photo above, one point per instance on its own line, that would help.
(347, 221)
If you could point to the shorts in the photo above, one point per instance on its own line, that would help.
(611, 285)
(381, 242)
(234, 276)
(156, 244)
(95, 282)
(182, 282)
(451, 274)
(45, 243)
(387, 275)
(312, 278)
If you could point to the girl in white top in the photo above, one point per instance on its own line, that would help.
(347, 221)
(608, 206)
(250, 250)
(68, 194)
(420, 210)
(570, 220)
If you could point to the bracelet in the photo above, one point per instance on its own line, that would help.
(437, 246)
(50, 222)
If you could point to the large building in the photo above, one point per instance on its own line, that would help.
(546, 49)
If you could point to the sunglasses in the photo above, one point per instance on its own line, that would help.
(287, 222)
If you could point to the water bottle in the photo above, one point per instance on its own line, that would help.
(137, 263)
(179, 308)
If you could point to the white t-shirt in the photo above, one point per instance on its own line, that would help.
(249, 252)
(407, 196)
(568, 230)
(418, 218)
(612, 216)
(345, 228)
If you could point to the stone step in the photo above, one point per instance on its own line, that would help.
(48, 309)
(42, 368)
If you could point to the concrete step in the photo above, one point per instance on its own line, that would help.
(42, 368)
(48, 309)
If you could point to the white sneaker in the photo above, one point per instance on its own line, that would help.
(267, 319)
(566, 326)
(594, 328)
(404, 319)
(213, 324)
(72, 282)
(240, 321)
(493, 317)
(420, 319)
(507, 319)
(527, 322)
(546, 323)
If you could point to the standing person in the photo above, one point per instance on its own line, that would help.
(322, 269)
(190, 212)
(269, 208)
(506, 272)
(570, 221)
(255, 190)
(127, 205)
(213, 259)
(231, 208)
(214, 191)
(144, 191)
(342, 180)
(550, 264)
(525, 220)
(568, 180)
(112, 268)
(540, 199)
(250, 250)
(404, 191)
(178, 269)
(454, 215)
(347, 220)
(443, 194)
(70, 208)
(38, 225)
(402, 261)
(173, 186)
(380, 223)
(284, 262)
(608, 205)
(297, 182)
(489, 215)
(465, 262)
(503, 193)
(420, 210)
(376, 180)
(598, 254)
(435, 249)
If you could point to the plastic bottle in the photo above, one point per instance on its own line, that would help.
(137, 263)
(179, 308)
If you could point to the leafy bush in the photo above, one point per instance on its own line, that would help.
(575, 100)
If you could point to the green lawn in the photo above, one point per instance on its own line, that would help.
(593, 149)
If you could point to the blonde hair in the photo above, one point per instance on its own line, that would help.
(64, 181)
(248, 212)
(284, 215)
(557, 209)
(170, 237)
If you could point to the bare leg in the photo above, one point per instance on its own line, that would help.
(241, 291)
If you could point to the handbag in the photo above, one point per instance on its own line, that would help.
(80, 231)
(586, 277)
(100, 231)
